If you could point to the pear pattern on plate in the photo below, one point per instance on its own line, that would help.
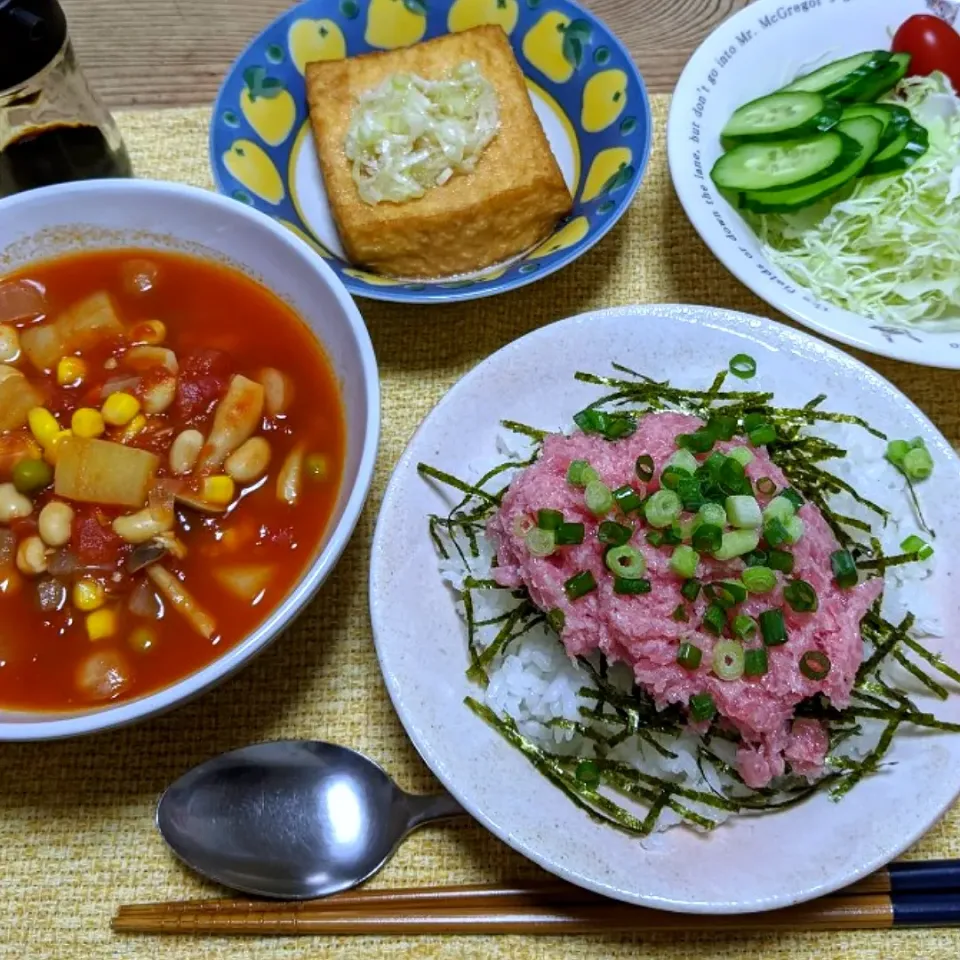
(396, 23)
(608, 169)
(249, 165)
(467, 14)
(604, 99)
(567, 236)
(312, 40)
(267, 105)
(555, 45)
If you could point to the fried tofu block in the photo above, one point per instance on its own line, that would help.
(511, 201)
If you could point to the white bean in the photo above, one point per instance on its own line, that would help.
(144, 525)
(143, 358)
(32, 557)
(13, 504)
(249, 461)
(277, 391)
(159, 396)
(9, 343)
(55, 523)
(185, 451)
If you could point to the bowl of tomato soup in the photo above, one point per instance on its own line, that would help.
(189, 417)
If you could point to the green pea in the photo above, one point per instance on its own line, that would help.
(29, 476)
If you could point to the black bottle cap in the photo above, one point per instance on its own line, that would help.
(31, 35)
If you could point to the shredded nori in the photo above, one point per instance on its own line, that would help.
(619, 715)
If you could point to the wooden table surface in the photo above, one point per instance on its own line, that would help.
(150, 53)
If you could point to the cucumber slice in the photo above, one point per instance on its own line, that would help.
(910, 144)
(779, 163)
(782, 116)
(864, 131)
(893, 118)
(840, 74)
(883, 81)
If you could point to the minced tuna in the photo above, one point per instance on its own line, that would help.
(644, 631)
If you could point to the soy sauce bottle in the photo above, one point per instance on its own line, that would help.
(52, 127)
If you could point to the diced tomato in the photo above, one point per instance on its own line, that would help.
(202, 382)
(93, 538)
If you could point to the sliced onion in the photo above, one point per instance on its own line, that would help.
(63, 563)
(21, 300)
(144, 602)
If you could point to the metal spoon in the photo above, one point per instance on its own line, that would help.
(292, 819)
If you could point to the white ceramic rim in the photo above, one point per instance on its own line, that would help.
(437, 765)
(123, 714)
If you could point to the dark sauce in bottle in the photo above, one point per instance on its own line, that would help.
(59, 154)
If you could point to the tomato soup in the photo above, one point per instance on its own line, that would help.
(172, 443)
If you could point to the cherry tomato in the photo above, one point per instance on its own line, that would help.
(933, 44)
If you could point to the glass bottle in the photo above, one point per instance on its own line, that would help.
(52, 127)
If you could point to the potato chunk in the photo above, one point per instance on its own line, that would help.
(17, 398)
(100, 471)
(81, 326)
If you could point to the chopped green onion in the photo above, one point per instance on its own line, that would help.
(655, 538)
(680, 614)
(781, 560)
(801, 596)
(728, 660)
(522, 525)
(683, 460)
(691, 590)
(644, 467)
(627, 499)
(541, 543)
(662, 509)
(772, 628)
(756, 558)
(723, 428)
(759, 579)
(569, 534)
(631, 587)
(755, 662)
(744, 513)
(588, 773)
(689, 655)
(775, 533)
(598, 497)
(690, 493)
(763, 435)
(673, 535)
(684, 562)
(844, 569)
(896, 451)
(579, 585)
(793, 497)
(613, 534)
(742, 455)
(707, 538)
(671, 477)
(766, 486)
(744, 627)
(779, 508)
(736, 543)
(715, 619)
(743, 366)
(733, 588)
(815, 665)
(733, 478)
(611, 426)
(795, 529)
(575, 472)
(549, 519)
(754, 420)
(626, 562)
(918, 464)
(556, 619)
(713, 514)
(702, 707)
(701, 441)
(713, 463)
(917, 545)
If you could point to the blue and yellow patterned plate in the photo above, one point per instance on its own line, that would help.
(584, 86)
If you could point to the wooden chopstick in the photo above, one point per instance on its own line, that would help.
(914, 894)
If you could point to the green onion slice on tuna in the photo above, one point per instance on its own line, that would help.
(549, 519)
(556, 619)
(610, 426)
(918, 546)
(736, 543)
(742, 455)
(715, 619)
(844, 569)
(588, 773)
(630, 588)
(775, 533)
(795, 529)
(662, 509)
(626, 562)
(801, 596)
(728, 660)
(702, 707)
(691, 590)
(655, 538)
(779, 508)
(744, 627)
(541, 543)
(580, 473)
(763, 435)
(772, 628)
(759, 579)
(766, 486)
(701, 441)
(598, 498)
(627, 499)
(815, 665)
(689, 655)
(522, 525)
(781, 560)
(684, 561)
(672, 476)
(569, 534)
(723, 427)
(579, 585)
(707, 538)
(713, 514)
(680, 614)
(744, 513)
(755, 662)
(756, 558)
(743, 366)
(683, 460)
(733, 478)
(793, 497)
(644, 467)
(613, 534)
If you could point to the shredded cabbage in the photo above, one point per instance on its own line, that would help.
(890, 248)
(410, 134)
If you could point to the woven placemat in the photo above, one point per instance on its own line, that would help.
(76, 831)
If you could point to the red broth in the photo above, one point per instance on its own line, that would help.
(103, 601)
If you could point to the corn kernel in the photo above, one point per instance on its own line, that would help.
(88, 595)
(43, 425)
(120, 408)
(219, 490)
(50, 450)
(133, 428)
(101, 624)
(71, 372)
(87, 423)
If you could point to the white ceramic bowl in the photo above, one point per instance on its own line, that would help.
(753, 53)
(139, 213)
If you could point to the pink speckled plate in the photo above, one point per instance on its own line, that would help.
(749, 864)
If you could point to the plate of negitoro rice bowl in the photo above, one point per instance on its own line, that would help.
(664, 596)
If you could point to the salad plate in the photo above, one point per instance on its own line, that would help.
(585, 89)
(869, 269)
(824, 840)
